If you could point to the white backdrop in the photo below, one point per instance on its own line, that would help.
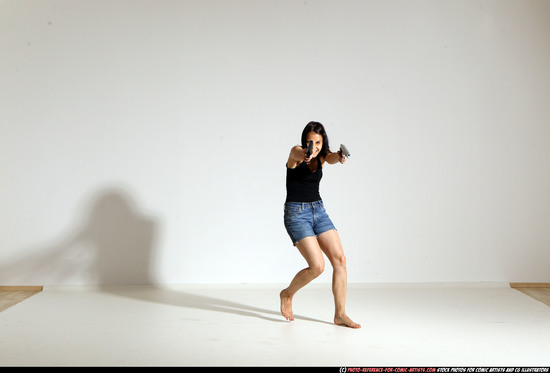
(146, 141)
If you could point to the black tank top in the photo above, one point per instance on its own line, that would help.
(302, 185)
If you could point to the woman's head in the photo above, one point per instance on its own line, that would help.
(312, 130)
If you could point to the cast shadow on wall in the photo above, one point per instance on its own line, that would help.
(115, 245)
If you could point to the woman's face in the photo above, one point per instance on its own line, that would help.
(317, 143)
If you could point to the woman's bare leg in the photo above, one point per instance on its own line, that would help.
(332, 247)
(311, 251)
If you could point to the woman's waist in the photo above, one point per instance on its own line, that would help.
(304, 205)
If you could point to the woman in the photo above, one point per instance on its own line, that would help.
(308, 224)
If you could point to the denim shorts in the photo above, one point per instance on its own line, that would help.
(304, 219)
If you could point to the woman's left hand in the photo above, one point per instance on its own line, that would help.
(343, 158)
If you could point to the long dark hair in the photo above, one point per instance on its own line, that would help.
(319, 129)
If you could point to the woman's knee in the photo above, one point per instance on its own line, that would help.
(317, 268)
(339, 261)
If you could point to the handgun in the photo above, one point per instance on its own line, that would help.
(344, 151)
(309, 149)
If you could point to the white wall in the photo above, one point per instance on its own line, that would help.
(145, 141)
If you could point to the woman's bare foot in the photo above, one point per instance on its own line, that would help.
(286, 305)
(345, 321)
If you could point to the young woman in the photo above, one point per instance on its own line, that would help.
(308, 224)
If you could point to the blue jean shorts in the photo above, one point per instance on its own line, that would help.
(304, 219)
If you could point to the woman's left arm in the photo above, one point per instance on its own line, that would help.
(333, 158)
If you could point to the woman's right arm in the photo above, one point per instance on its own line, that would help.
(297, 155)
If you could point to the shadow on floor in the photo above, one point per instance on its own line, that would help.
(155, 294)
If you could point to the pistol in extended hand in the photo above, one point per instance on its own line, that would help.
(309, 149)
(344, 151)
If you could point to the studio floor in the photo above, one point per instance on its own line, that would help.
(240, 325)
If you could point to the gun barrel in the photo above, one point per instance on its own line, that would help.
(344, 150)
(309, 148)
